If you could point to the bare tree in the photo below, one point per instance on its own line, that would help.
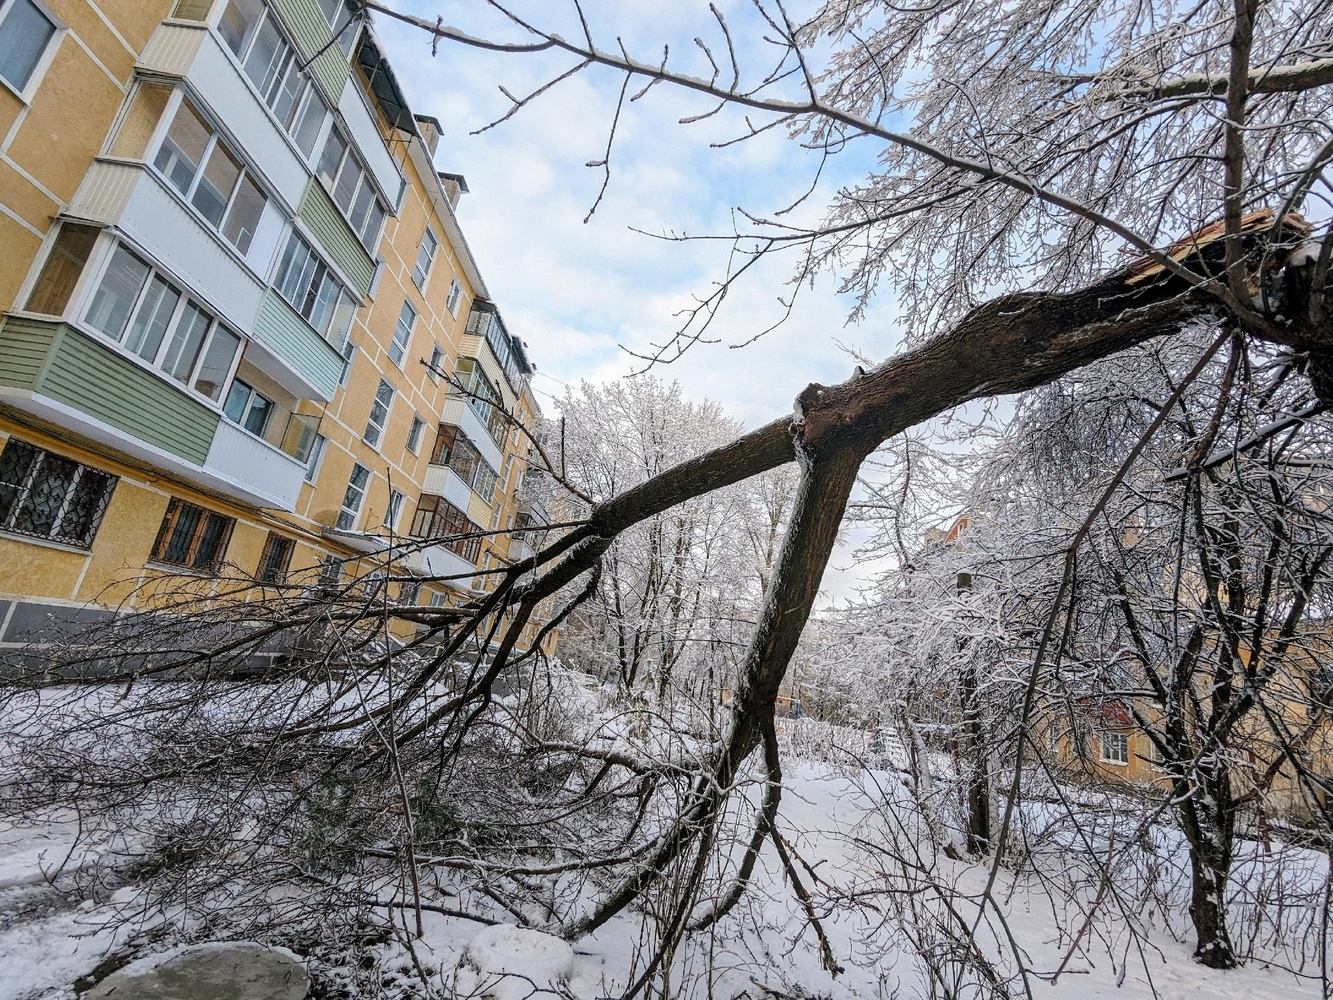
(1053, 152)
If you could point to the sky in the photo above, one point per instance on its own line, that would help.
(583, 294)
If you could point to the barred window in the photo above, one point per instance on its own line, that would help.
(438, 519)
(46, 496)
(276, 558)
(192, 537)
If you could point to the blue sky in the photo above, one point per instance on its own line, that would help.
(578, 293)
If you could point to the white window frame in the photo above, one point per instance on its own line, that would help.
(1121, 741)
(349, 513)
(436, 356)
(367, 236)
(415, 433)
(84, 304)
(302, 105)
(215, 139)
(316, 458)
(454, 297)
(393, 511)
(420, 275)
(402, 333)
(379, 425)
(48, 55)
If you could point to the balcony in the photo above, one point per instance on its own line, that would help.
(439, 561)
(254, 467)
(59, 374)
(445, 482)
(457, 412)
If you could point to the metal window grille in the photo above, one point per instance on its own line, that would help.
(46, 496)
(192, 537)
(276, 558)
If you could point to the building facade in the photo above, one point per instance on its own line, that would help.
(243, 335)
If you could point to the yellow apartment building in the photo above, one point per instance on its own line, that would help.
(242, 335)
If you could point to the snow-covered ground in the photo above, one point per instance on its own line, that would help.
(829, 816)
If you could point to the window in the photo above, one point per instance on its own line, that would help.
(192, 537)
(452, 448)
(1115, 748)
(316, 457)
(482, 396)
(409, 592)
(298, 440)
(140, 120)
(394, 511)
(192, 10)
(402, 333)
(351, 187)
(24, 34)
(248, 408)
(330, 571)
(60, 274)
(339, 17)
(353, 498)
(414, 434)
(275, 559)
(379, 413)
(273, 66)
(438, 519)
(426, 257)
(433, 368)
(455, 294)
(309, 286)
(484, 321)
(46, 496)
(138, 308)
(203, 170)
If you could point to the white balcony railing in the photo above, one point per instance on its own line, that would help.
(256, 467)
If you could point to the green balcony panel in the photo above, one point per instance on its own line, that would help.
(318, 211)
(58, 362)
(281, 330)
(313, 35)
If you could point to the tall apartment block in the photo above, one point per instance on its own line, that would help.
(242, 332)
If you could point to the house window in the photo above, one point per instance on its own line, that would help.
(394, 511)
(275, 559)
(140, 120)
(192, 10)
(455, 294)
(330, 571)
(453, 449)
(192, 537)
(482, 396)
(316, 457)
(46, 496)
(441, 521)
(248, 408)
(141, 310)
(379, 414)
(1115, 748)
(209, 175)
(433, 368)
(339, 17)
(409, 592)
(273, 66)
(25, 32)
(306, 282)
(414, 434)
(298, 440)
(425, 257)
(351, 187)
(354, 497)
(402, 333)
(64, 265)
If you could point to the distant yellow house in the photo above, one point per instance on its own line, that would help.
(242, 332)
